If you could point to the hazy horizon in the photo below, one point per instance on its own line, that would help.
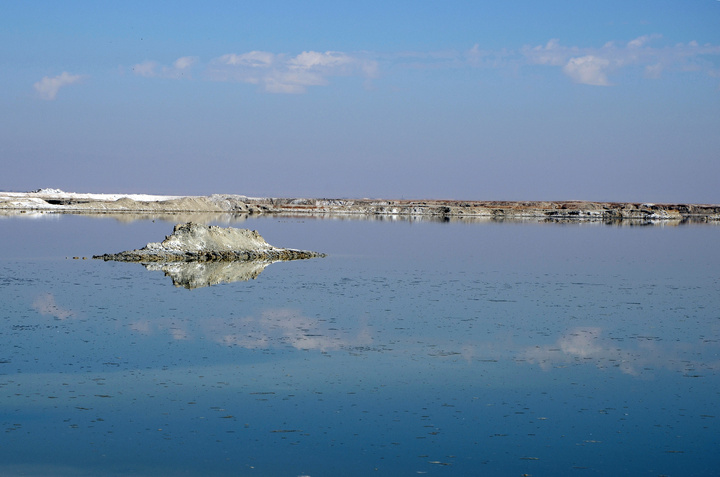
(462, 100)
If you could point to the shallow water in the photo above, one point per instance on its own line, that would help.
(413, 348)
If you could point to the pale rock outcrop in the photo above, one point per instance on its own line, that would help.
(193, 242)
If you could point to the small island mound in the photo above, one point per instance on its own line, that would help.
(193, 242)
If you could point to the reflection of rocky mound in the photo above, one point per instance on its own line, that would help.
(192, 242)
(203, 274)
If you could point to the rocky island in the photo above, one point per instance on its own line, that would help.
(192, 242)
(195, 255)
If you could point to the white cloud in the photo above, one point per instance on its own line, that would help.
(179, 69)
(653, 71)
(478, 57)
(184, 63)
(588, 70)
(642, 41)
(278, 73)
(146, 68)
(47, 88)
(314, 59)
(550, 54)
(592, 66)
(277, 86)
(596, 66)
(584, 66)
(261, 59)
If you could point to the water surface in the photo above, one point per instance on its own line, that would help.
(413, 348)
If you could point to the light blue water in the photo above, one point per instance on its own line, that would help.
(413, 348)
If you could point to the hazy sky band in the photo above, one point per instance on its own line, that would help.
(459, 100)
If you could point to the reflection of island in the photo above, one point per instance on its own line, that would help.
(203, 274)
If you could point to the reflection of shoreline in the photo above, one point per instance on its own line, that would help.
(587, 346)
(202, 274)
(129, 217)
(235, 218)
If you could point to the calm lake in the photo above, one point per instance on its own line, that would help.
(499, 349)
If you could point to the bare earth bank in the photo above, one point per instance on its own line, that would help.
(53, 200)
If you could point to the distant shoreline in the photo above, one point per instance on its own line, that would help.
(57, 201)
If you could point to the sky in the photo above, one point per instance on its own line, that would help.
(469, 100)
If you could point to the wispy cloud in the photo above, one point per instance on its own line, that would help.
(592, 66)
(48, 87)
(280, 73)
(273, 72)
(179, 69)
(583, 65)
(596, 66)
(588, 69)
(478, 57)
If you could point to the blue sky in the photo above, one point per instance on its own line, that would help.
(525, 100)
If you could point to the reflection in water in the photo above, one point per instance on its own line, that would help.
(129, 217)
(282, 326)
(236, 218)
(202, 274)
(587, 345)
(274, 328)
(46, 305)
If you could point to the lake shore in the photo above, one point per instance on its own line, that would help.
(57, 201)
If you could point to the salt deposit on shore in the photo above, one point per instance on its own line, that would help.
(59, 194)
